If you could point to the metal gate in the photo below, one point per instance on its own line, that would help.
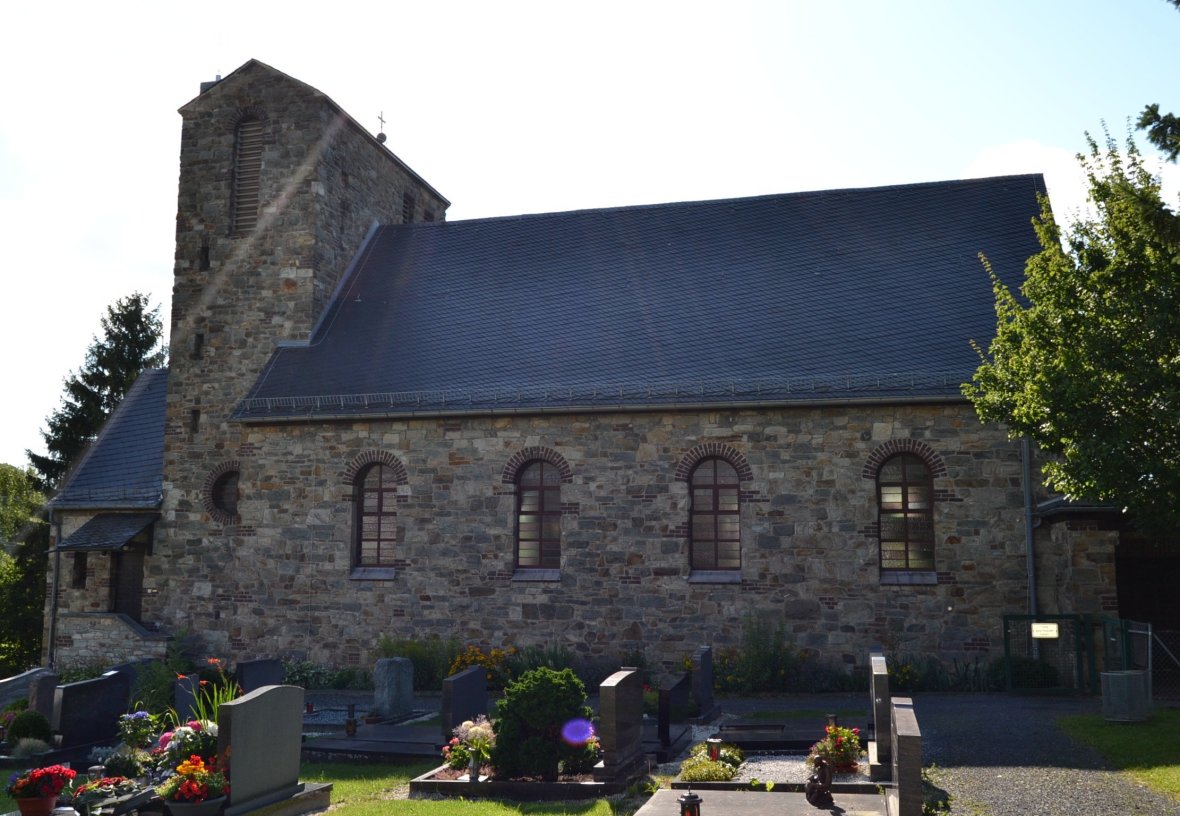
(1050, 654)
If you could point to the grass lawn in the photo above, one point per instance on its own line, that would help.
(1146, 751)
(367, 790)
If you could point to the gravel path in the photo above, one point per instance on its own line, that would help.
(1002, 755)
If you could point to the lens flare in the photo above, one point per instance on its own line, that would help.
(577, 732)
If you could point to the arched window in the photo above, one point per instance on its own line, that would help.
(247, 171)
(716, 524)
(376, 516)
(905, 513)
(538, 516)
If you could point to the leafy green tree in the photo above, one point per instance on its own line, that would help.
(1087, 363)
(22, 570)
(131, 342)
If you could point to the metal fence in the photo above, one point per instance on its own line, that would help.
(1165, 665)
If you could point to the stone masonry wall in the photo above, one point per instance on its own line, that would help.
(279, 582)
(107, 639)
(323, 182)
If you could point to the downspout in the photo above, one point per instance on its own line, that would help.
(50, 652)
(1030, 554)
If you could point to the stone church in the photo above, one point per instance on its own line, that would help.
(614, 430)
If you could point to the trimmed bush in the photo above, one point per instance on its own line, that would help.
(29, 724)
(703, 769)
(531, 716)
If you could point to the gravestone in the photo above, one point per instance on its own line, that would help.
(87, 712)
(881, 746)
(263, 734)
(185, 692)
(393, 688)
(905, 797)
(464, 697)
(620, 726)
(702, 683)
(42, 694)
(674, 697)
(254, 674)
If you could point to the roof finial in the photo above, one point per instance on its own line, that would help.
(381, 132)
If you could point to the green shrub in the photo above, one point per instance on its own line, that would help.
(703, 769)
(432, 658)
(29, 724)
(532, 713)
(19, 704)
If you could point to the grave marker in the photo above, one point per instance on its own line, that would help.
(393, 688)
(263, 734)
(702, 683)
(880, 748)
(620, 718)
(87, 712)
(464, 697)
(254, 674)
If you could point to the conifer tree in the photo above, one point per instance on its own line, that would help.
(130, 343)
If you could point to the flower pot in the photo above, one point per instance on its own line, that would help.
(210, 807)
(846, 767)
(37, 805)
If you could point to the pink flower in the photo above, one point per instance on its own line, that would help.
(165, 738)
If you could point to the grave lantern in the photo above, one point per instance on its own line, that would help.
(714, 746)
(690, 804)
(832, 720)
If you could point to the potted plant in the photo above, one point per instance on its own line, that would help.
(36, 790)
(196, 788)
(840, 747)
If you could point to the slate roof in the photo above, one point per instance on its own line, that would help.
(123, 468)
(109, 531)
(824, 296)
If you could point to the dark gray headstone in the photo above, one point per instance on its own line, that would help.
(674, 696)
(702, 682)
(393, 687)
(88, 711)
(263, 734)
(185, 691)
(905, 796)
(43, 693)
(254, 674)
(620, 725)
(464, 697)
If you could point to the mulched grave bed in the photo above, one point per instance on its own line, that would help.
(446, 781)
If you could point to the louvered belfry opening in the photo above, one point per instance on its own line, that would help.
(247, 169)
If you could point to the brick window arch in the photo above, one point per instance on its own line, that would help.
(221, 492)
(905, 513)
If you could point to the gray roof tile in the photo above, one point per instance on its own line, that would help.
(841, 294)
(123, 468)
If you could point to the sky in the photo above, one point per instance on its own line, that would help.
(518, 107)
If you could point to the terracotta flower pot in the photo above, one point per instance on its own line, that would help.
(37, 805)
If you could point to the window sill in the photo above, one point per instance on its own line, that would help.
(909, 578)
(372, 574)
(715, 577)
(550, 575)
